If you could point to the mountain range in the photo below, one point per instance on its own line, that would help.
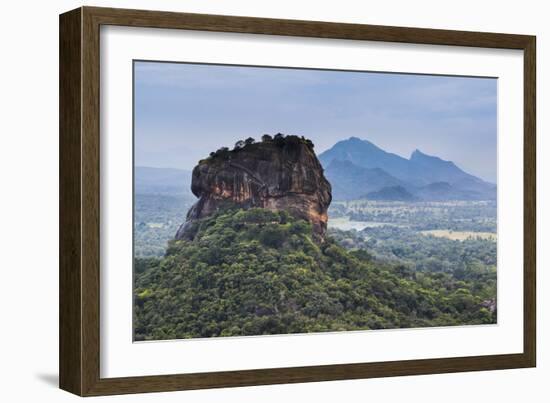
(358, 169)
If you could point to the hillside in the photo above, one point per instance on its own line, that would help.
(256, 271)
(350, 181)
(414, 174)
(395, 193)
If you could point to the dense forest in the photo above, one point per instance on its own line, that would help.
(471, 259)
(475, 216)
(255, 240)
(253, 272)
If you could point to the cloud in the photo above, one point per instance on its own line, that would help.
(201, 107)
(206, 76)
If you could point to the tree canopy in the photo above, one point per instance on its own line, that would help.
(255, 272)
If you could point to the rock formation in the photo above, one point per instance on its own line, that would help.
(280, 173)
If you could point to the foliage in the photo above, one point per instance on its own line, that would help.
(473, 259)
(255, 272)
(477, 216)
(279, 139)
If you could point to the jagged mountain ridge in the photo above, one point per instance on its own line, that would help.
(347, 158)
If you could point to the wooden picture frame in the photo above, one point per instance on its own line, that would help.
(79, 346)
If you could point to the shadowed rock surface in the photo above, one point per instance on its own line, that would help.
(280, 173)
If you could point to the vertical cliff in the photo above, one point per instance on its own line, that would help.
(280, 173)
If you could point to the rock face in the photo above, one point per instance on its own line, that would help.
(280, 173)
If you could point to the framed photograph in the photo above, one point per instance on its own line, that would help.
(249, 201)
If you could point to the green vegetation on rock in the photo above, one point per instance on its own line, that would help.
(256, 272)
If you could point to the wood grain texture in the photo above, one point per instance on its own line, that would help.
(70, 274)
(80, 200)
(316, 29)
(305, 374)
(530, 202)
(90, 201)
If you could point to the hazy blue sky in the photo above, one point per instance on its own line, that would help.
(185, 111)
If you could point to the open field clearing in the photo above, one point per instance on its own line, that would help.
(460, 235)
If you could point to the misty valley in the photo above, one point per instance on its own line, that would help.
(355, 224)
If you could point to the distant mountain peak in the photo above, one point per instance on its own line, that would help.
(354, 141)
(346, 160)
(418, 155)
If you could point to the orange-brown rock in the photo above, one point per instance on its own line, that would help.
(282, 173)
